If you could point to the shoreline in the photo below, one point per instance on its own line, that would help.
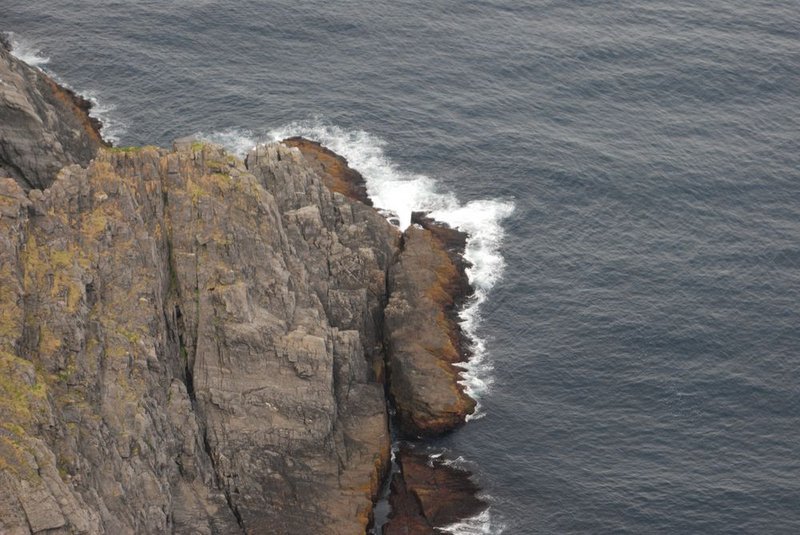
(444, 292)
(383, 305)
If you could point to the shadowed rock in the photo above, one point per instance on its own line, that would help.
(429, 494)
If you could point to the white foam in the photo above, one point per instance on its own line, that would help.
(401, 192)
(24, 50)
(113, 128)
(238, 142)
(480, 524)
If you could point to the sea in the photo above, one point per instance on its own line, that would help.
(628, 172)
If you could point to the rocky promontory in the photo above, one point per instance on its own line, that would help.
(43, 126)
(195, 343)
(426, 285)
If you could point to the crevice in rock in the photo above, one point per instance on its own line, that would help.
(228, 499)
(382, 508)
(401, 508)
(187, 370)
(16, 173)
(187, 360)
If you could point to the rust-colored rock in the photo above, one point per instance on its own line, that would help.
(80, 108)
(429, 494)
(337, 175)
(427, 285)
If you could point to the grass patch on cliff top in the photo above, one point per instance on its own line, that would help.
(124, 150)
(131, 149)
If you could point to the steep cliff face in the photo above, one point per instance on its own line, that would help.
(183, 347)
(192, 343)
(43, 126)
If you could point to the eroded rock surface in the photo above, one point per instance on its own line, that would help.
(337, 174)
(427, 283)
(190, 343)
(43, 126)
(429, 494)
(186, 346)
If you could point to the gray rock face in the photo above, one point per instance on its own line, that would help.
(43, 126)
(186, 346)
(194, 344)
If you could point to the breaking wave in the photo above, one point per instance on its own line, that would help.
(24, 50)
(480, 524)
(401, 192)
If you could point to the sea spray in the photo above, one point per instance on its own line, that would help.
(480, 524)
(113, 128)
(24, 50)
(400, 192)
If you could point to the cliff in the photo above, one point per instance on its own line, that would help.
(192, 343)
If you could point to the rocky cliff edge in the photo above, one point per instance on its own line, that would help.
(192, 343)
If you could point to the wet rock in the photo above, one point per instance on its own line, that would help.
(427, 284)
(429, 494)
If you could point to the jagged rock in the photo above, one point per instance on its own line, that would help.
(337, 175)
(43, 126)
(427, 284)
(190, 343)
(429, 494)
(191, 350)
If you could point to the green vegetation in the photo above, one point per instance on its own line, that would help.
(125, 150)
(21, 404)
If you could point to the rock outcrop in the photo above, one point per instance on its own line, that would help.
(183, 347)
(43, 126)
(192, 343)
(339, 177)
(429, 494)
(427, 283)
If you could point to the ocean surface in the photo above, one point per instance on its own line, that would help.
(629, 172)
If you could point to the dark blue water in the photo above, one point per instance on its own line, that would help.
(645, 334)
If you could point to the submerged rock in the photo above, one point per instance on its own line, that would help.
(429, 494)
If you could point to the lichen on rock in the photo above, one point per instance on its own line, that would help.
(193, 343)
